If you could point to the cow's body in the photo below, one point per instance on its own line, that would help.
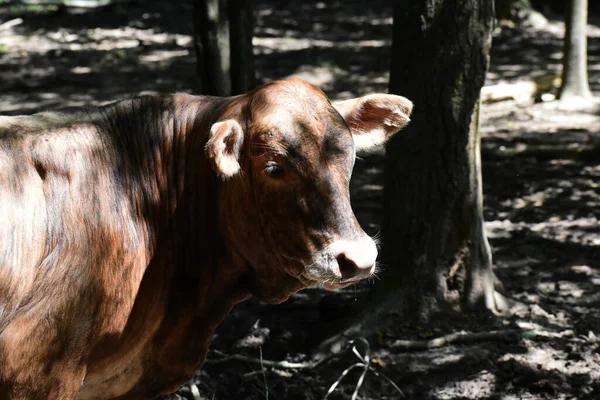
(122, 245)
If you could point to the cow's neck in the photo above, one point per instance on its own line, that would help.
(197, 217)
(175, 191)
(205, 278)
(191, 281)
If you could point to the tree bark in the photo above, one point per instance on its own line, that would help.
(575, 76)
(434, 240)
(241, 30)
(223, 31)
(211, 40)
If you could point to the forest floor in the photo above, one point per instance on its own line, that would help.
(541, 171)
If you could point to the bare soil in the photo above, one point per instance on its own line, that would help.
(541, 169)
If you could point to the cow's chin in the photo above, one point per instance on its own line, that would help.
(276, 291)
(322, 277)
(337, 285)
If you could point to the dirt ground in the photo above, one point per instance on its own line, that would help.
(541, 170)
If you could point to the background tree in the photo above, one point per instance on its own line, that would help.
(241, 28)
(223, 42)
(434, 241)
(575, 87)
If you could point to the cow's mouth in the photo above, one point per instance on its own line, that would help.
(342, 263)
(332, 275)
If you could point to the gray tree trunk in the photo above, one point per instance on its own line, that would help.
(434, 241)
(575, 85)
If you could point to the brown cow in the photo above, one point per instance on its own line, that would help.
(128, 231)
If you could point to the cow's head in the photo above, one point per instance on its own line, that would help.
(285, 154)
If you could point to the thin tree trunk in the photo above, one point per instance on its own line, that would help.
(434, 241)
(575, 77)
(212, 43)
(242, 58)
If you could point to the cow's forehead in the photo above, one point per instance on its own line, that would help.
(292, 89)
(295, 110)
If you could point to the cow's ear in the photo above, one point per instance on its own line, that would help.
(224, 146)
(374, 118)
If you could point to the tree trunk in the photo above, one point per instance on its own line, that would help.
(241, 24)
(434, 241)
(211, 40)
(223, 40)
(575, 85)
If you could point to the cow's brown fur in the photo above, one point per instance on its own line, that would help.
(121, 248)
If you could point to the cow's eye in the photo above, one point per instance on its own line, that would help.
(274, 170)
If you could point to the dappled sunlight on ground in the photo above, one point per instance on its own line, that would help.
(537, 51)
(93, 58)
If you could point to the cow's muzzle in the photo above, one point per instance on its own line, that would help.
(343, 262)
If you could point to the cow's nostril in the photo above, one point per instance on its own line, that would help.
(347, 267)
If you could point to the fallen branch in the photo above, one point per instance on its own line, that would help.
(11, 24)
(263, 363)
(274, 364)
(509, 335)
(455, 338)
(522, 91)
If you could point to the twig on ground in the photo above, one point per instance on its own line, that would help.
(262, 368)
(343, 374)
(262, 363)
(273, 364)
(365, 362)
